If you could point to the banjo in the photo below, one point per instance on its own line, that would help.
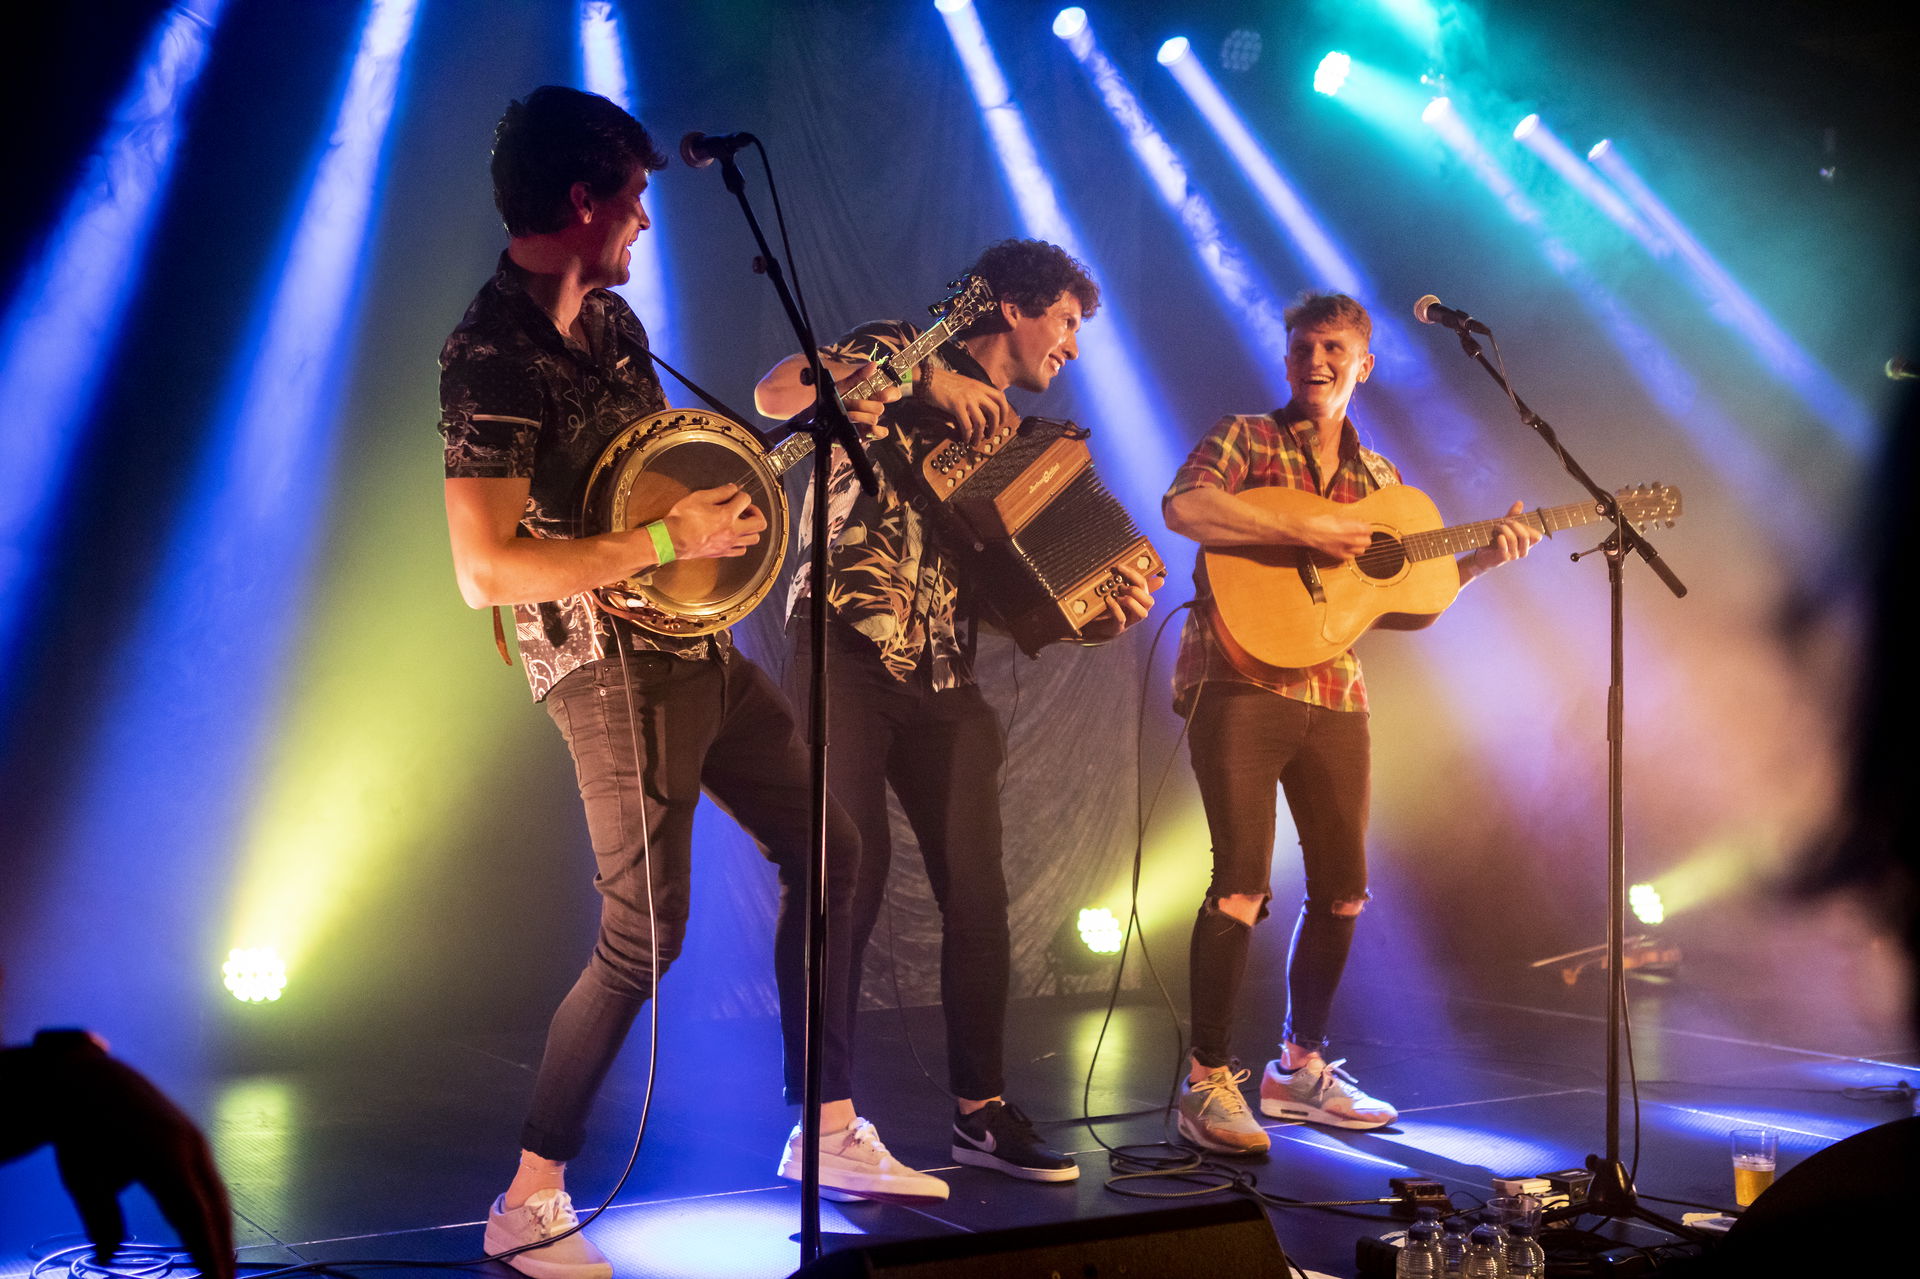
(664, 456)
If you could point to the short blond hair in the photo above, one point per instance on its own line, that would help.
(1335, 310)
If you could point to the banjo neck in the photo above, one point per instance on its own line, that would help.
(797, 447)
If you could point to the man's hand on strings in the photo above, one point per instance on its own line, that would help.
(715, 523)
(1340, 536)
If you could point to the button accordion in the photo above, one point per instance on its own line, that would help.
(1034, 529)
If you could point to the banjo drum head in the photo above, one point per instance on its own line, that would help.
(643, 472)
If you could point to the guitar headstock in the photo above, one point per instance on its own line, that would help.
(972, 297)
(1650, 504)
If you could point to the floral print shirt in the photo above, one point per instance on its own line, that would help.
(888, 577)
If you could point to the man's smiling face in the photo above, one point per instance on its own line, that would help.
(1324, 363)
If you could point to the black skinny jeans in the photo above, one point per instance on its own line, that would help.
(942, 753)
(718, 725)
(1245, 741)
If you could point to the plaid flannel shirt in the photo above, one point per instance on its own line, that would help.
(1245, 452)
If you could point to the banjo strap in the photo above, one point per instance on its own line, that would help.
(710, 401)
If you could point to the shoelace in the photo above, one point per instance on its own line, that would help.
(1331, 1075)
(1226, 1091)
(551, 1216)
(865, 1135)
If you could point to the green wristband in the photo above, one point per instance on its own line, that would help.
(662, 542)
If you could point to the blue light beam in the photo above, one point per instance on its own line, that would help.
(66, 315)
(1328, 264)
(1731, 306)
(1668, 386)
(606, 70)
(1227, 267)
(1535, 136)
(1124, 401)
(187, 719)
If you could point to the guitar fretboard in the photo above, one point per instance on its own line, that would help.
(1461, 538)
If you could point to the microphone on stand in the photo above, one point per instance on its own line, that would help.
(701, 149)
(1901, 369)
(1428, 310)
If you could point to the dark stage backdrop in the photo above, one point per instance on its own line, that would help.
(392, 813)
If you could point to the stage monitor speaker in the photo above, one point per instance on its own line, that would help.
(1231, 1240)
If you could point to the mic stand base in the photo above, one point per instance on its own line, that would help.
(1611, 1195)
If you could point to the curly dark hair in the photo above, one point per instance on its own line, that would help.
(555, 137)
(1336, 310)
(1032, 275)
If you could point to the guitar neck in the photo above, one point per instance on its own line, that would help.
(1461, 538)
(799, 446)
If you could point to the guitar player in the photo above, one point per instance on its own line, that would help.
(1302, 729)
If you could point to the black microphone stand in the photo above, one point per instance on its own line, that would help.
(830, 426)
(1611, 1192)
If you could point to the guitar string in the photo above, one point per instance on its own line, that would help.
(1429, 543)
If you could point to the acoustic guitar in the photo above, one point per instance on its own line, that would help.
(1280, 607)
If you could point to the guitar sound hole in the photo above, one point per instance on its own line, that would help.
(1384, 559)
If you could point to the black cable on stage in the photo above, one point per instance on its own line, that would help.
(1130, 1162)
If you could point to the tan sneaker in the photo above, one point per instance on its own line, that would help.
(1321, 1093)
(1214, 1116)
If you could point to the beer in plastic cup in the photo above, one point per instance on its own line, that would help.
(1755, 1152)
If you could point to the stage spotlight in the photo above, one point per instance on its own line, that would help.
(254, 975)
(1645, 901)
(1525, 127)
(1331, 73)
(1435, 109)
(951, 6)
(1070, 22)
(1240, 50)
(1174, 50)
(1599, 148)
(1099, 931)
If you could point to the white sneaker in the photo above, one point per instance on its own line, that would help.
(855, 1164)
(1321, 1093)
(546, 1213)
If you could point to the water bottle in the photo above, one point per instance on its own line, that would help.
(1453, 1244)
(1526, 1259)
(1420, 1254)
(1482, 1260)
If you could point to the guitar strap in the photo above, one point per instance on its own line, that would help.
(1377, 468)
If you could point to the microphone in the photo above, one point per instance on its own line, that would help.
(1429, 311)
(1901, 369)
(701, 149)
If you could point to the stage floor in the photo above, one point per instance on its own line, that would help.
(395, 1152)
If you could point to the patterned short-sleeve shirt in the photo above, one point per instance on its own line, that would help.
(1245, 452)
(888, 576)
(520, 401)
